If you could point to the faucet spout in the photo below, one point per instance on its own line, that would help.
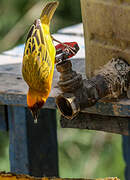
(77, 93)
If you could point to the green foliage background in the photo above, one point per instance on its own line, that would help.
(82, 153)
(89, 154)
(16, 16)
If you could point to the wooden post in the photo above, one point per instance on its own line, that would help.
(33, 147)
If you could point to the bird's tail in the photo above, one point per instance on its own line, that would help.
(48, 12)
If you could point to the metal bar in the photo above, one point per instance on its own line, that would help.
(42, 144)
(18, 149)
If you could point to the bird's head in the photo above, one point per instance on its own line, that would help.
(35, 101)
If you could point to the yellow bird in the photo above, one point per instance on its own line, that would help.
(39, 59)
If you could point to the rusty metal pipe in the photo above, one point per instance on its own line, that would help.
(77, 93)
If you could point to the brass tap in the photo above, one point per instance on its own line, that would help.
(77, 93)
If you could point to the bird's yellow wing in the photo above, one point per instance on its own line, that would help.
(39, 55)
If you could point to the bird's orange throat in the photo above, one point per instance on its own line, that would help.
(35, 99)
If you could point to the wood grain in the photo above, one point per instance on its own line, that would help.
(87, 121)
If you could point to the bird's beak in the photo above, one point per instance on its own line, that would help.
(35, 114)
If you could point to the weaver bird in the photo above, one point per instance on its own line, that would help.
(39, 60)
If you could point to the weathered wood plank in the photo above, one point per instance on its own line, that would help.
(108, 108)
(119, 125)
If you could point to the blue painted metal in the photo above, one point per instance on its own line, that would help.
(42, 144)
(3, 118)
(33, 147)
(18, 149)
